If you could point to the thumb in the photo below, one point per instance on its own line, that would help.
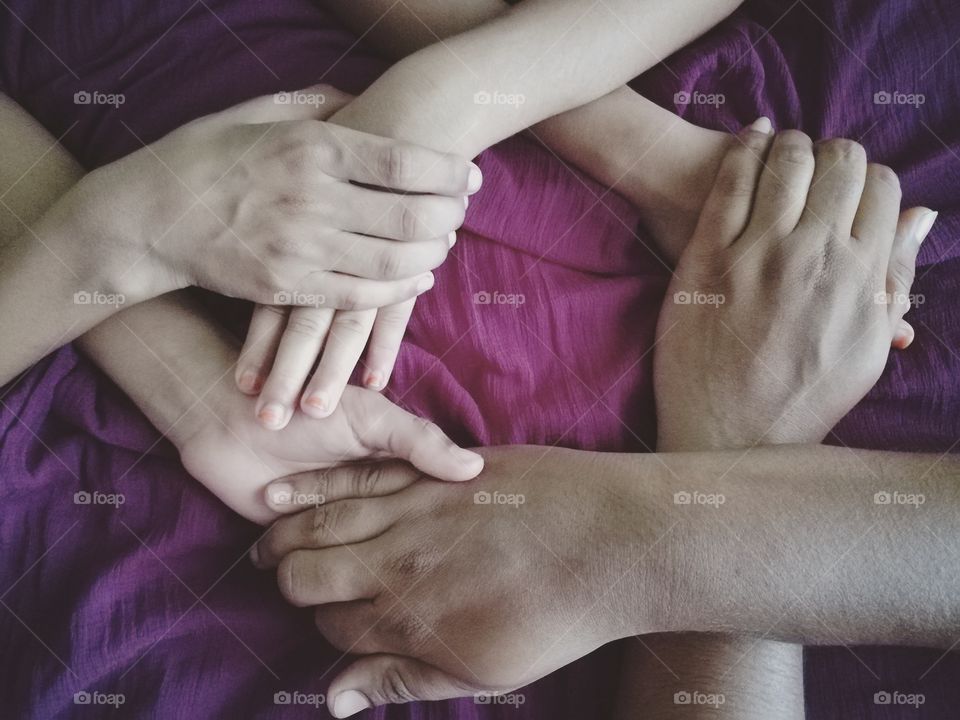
(383, 427)
(390, 679)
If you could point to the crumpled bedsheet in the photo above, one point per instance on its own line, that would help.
(155, 600)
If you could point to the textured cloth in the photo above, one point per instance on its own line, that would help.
(155, 599)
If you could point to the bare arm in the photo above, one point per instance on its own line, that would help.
(555, 54)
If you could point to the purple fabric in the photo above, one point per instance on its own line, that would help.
(155, 600)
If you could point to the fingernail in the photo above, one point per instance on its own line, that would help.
(255, 555)
(762, 125)
(425, 283)
(280, 494)
(925, 225)
(373, 380)
(272, 415)
(474, 179)
(318, 404)
(250, 382)
(349, 703)
(452, 239)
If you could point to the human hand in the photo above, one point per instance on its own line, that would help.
(456, 589)
(784, 306)
(279, 205)
(282, 346)
(235, 457)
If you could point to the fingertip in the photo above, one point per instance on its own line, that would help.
(474, 179)
(374, 380)
(249, 382)
(761, 125)
(904, 336)
(273, 416)
(317, 405)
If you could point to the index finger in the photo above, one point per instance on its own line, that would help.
(401, 166)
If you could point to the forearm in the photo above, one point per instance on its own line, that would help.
(800, 546)
(554, 54)
(60, 270)
(170, 358)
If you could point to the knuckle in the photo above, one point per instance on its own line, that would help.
(885, 175)
(404, 629)
(409, 223)
(794, 150)
(392, 264)
(902, 273)
(845, 151)
(307, 324)
(412, 563)
(289, 580)
(324, 520)
(395, 166)
(736, 183)
(365, 483)
(351, 326)
(395, 688)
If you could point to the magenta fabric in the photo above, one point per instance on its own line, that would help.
(155, 599)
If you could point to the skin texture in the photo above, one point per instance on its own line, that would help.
(262, 187)
(854, 200)
(496, 60)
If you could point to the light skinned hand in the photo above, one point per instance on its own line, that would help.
(236, 457)
(784, 306)
(285, 201)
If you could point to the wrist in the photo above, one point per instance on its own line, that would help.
(638, 529)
